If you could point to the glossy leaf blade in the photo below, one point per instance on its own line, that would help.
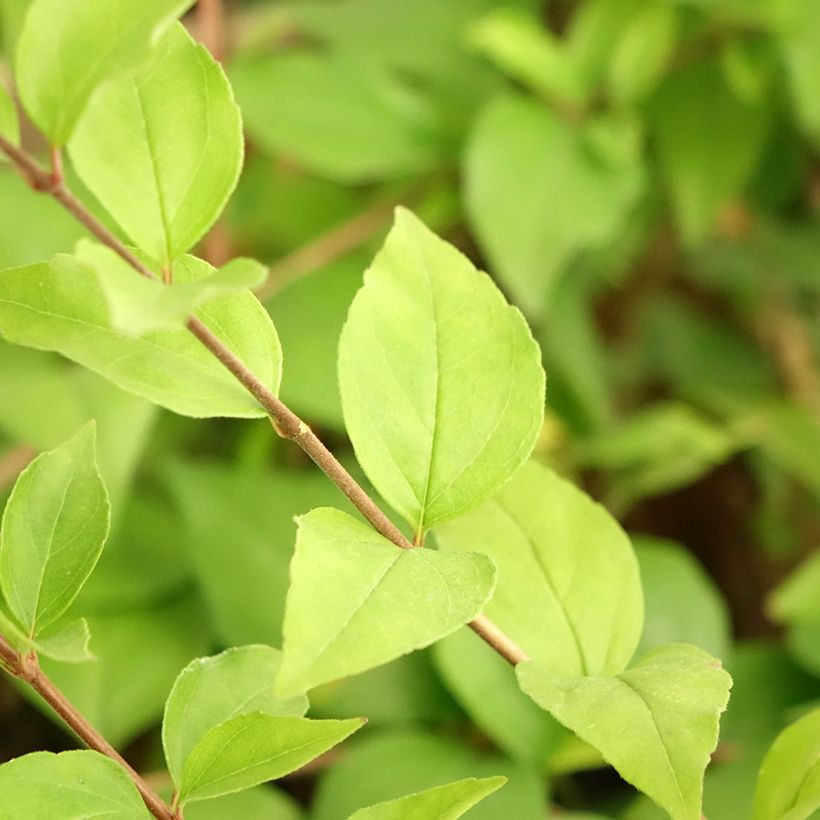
(249, 749)
(67, 48)
(74, 784)
(656, 723)
(443, 802)
(54, 528)
(212, 690)
(162, 148)
(357, 601)
(788, 787)
(443, 403)
(550, 542)
(58, 305)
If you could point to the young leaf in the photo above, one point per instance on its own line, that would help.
(442, 403)
(212, 690)
(656, 723)
(67, 48)
(356, 600)
(138, 305)
(564, 188)
(162, 148)
(54, 527)
(249, 749)
(9, 121)
(788, 787)
(59, 305)
(443, 802)
(63, 642)
(74, 784)
(550, 541)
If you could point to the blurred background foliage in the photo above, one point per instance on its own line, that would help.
(642, 178)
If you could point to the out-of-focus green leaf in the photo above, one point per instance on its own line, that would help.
(789, 784)
(162, 148)
(443, 405)
(12, 15)
(54, 528)
(799, 42)
(539, 190)
(708, 142)
(446, 802)
(212, 690)
(656, 723)
(70, 785)
(67, 49)
(389, 765)
(260, 803)
(9, 122)
(549, 541)
(347, 583)
(681, 603)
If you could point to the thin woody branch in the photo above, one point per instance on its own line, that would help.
(286, 422)
(27, 669)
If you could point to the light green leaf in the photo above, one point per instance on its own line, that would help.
(442, 404)
(54, 527)
(788, 787)
(249, 749)
(69, 643)
(708, 141)
(550, 541)
(656, 723)
(9, 121)
(356, 600)
(485, 685)
(71, 786)
(67, 48)
(212, 690)
(443, 802)
(563, 189)
(60, 306)
(138, 305)
(162, 148)
(362, 122)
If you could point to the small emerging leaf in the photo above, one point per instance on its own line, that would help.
(441, 380)
(162, 148)
(212, 690)
(356, 600)
(54, 527)
(788, 787)
(68, 643)
(138, 305)
(71, 785)
(656, 723)
(446, 802)
(249, 749)
(67, 48)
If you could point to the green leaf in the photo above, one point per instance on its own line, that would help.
(682, 603)
(54, 528)
(362, 122)
(799, 43)
(70, 786)
(550, 542)
(212, 690)
(138, 305)
(69, 643)
(708, 142)
(485, 685)
(788, 787)
(9, 121)
(656, 723)
(249, 749)
(67, 49)
(563, 189)
(162, 148)
(443, 802)
(260, 803)
(442, 404)
(60, 306)
(356, 600)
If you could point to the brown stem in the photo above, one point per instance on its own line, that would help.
(286, 422)
(27, 668)
(212, 27)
